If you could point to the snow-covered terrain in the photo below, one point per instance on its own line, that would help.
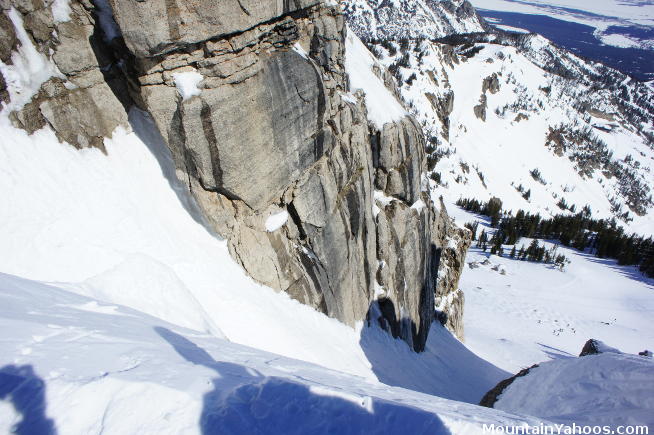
(119, 228)
(78, 365)
(519, 313)
(379, 19)
(125, 252)
(524, 108)
(122, 312)
(382, 105)
(607, 389)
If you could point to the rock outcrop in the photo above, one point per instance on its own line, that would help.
(81, 101)
(493, 395)
(250, 97)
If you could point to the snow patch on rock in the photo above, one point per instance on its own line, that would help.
(276, 221)
(29, 68)
(187, 83)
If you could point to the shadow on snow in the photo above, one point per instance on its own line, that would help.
(446, 368)
(25, 390)
(243, 400)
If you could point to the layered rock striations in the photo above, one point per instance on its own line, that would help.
(252, 99)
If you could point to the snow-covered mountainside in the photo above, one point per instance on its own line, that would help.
(604, 389)
(515, 117)
(381, 19)
(512, 116)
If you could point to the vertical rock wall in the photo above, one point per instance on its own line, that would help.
(313, 200)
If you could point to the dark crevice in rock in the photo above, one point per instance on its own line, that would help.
(115, 62)
(292, 212)
(166, 49)
(212, 143)
(245, 11)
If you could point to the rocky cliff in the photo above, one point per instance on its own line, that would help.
(253, 100)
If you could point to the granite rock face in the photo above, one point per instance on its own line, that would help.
(78, 102)
(270, 131)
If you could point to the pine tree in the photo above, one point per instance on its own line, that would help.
(512, 254)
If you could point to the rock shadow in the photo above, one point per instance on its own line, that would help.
(25, 390)
(445, 368)
(243, 400)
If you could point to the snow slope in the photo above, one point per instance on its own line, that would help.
(535, 312)
(120, 228)
(382, 105)
(604, 389)
(482, 158)
(82, 366)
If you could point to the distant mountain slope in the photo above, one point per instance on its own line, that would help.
(381, 19)
(516, 117)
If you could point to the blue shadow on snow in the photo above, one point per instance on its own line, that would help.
(243, 401)
(25, 390)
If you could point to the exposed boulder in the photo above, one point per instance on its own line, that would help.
(491, 84)
(480, 109)
(398, 153)
(594, 347)
(443, 107)
(493, 395)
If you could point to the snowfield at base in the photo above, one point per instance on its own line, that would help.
(382, 105)
(536, 313)
(605, 389)
(120, 371)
